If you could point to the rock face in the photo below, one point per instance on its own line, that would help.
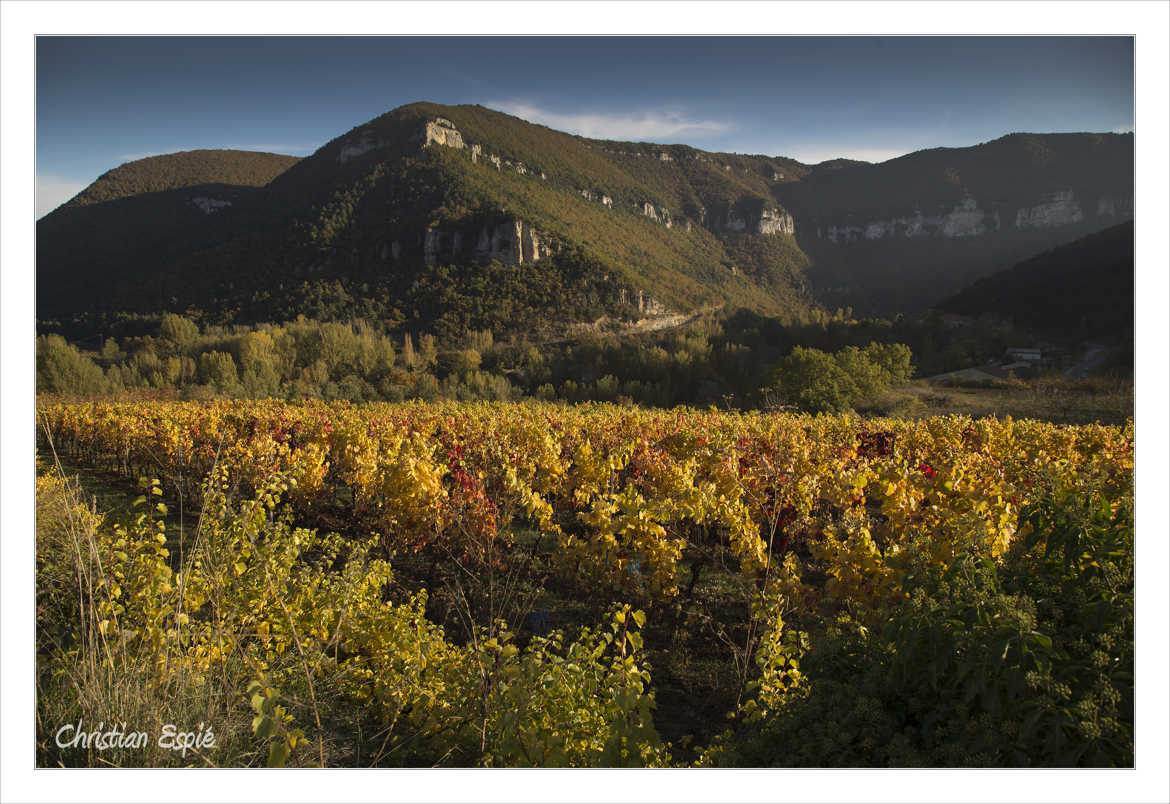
(210, 205)
(650, 306)
(656, 214)
(442, 131)
(769, 221)
(1109, 207)
(965, 220)
(513, 242)
(773, 221)
(645, 304)
(1058, 209)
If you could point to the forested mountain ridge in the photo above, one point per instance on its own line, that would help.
(450, 218)
(1083, 289)
(154, 174)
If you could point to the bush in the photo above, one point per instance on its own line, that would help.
(287, 630)
(1029, 663)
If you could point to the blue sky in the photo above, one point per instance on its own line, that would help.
(102, 101)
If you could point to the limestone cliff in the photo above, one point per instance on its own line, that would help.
(767, 221)
(1057, 209)
(441, 131)
(969, 219)
(513, 242)
(210, 205)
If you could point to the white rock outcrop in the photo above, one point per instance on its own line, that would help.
(650, 306)
(1110, 207)
(965, 220)
(659, 214)
(513, 242)
(642, 302)
(773, 221)
(210, 205)
(1058, 209)
(442, 131)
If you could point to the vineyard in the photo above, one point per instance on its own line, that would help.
(539, 584)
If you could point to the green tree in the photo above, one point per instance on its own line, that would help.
(868, 378)
(62, 369)
(814, 381)
(178, 333)
(894, 359)
(219, 369)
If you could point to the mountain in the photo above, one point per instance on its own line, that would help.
(129, 225)
(157, 174)
(1083, 289)
(905, 234)
(453, 217)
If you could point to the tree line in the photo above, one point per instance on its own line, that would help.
(361, 361)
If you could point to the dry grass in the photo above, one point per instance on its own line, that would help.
(1056, 400)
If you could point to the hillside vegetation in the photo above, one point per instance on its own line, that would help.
(1083, 289)
(622, 230)
(156, 174)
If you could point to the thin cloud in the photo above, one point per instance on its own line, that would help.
(1122, 130)
(53, 191)
(653, 124)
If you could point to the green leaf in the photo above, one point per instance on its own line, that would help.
(1042, 639)
(263, 726)
(278, 754)
(640, 618)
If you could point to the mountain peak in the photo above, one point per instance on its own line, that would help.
(153, 174)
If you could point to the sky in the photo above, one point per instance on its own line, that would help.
(103, 101)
